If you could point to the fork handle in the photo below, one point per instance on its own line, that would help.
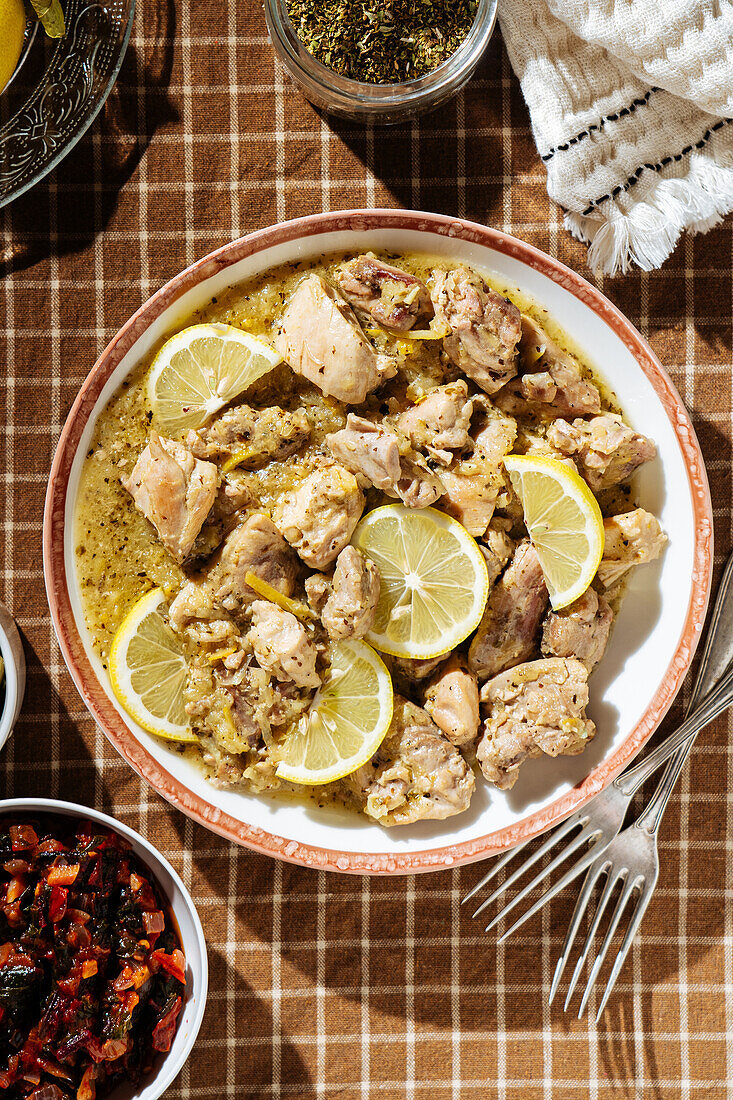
(651, 816)
(716, 652)
(715, 702)
(716, 658)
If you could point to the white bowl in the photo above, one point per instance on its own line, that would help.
(11, 651)
(181, 904)
(655, 635)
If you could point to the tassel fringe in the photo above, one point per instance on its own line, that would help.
(646, 232)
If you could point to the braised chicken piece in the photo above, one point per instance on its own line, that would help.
(530, 442)
(248, 709)
(282, 646)
(256, 546)
(174, 491)
(233, 500)
(532, 709)
(319, 516)
(605, 450)
(484, 327)
(194, 601)
(235, 494)
(633, 538)
(413, 671)
(472, 484)
(508, 633)
(318, 588)
(202, 606)
(235, 716)
(415, 775)
(494, 433)
(388, 295)
(239, 710)
(440, 423)
(385, 459)
(471, 489)
(580, 630)
(320, 338)
(451, 700)
(551, 384)
(289, 702)
(509, 507)
(250, 437)
(497, 547)
(349, 608)
(195, 612)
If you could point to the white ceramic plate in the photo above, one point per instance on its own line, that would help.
(654, 638)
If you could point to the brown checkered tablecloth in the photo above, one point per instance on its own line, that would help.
(327, 985)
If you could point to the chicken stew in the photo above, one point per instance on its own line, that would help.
(403, 378)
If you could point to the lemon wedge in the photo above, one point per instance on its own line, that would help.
(267, 592)
(148, 670)
(434, 580)
(347, 720)
(564, 523)
(12, 33)
(51, 17)
(200, 370)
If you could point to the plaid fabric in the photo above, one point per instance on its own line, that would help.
(327, 985)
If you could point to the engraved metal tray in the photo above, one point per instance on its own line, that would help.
(56, 94)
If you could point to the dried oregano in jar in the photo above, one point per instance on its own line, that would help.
(382, 41)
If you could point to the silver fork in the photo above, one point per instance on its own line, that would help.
(631, 860)
(601, 819)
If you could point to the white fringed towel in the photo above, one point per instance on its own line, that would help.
(631, 104)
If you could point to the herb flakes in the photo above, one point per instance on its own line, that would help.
(382, 41)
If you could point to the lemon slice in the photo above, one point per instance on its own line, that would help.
(564, 523)
(200, 370)
(434, 580)
(12, 32)
(347, 721)
(148, 670)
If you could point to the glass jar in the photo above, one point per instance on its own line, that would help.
(378, 103)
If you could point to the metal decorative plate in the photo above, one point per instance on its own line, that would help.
(48, 116)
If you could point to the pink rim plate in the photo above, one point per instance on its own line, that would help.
(122, 737)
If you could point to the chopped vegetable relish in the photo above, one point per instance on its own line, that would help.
(92, 975)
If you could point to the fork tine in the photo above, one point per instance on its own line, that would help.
(581, 905)
(636, 919)
(603, 900)
(582, 838)
(610, 932)
(547, 846)
(499, 865)
(570, 875)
